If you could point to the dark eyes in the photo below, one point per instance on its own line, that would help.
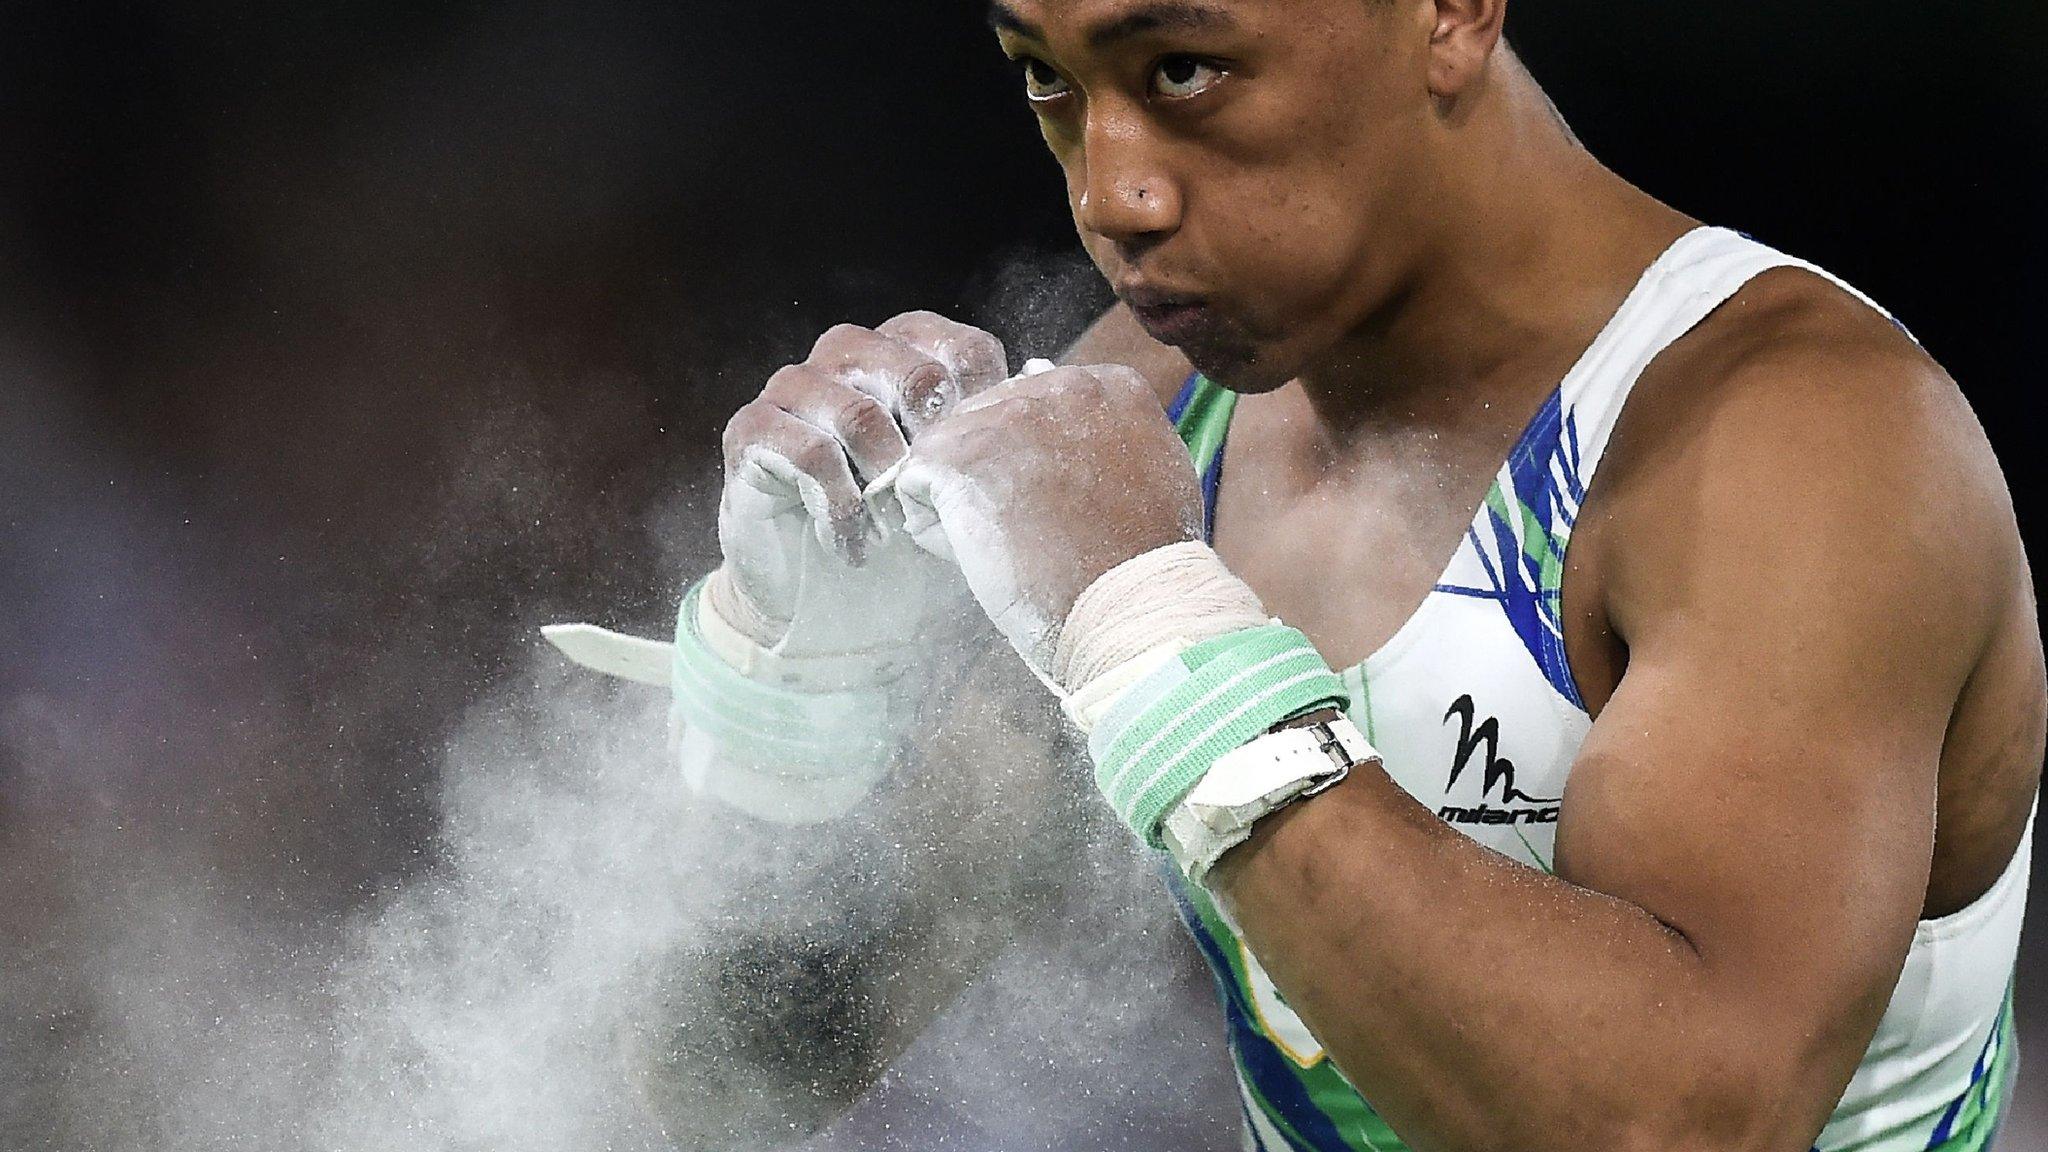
(1174, 77)
(1042, 81)
(1179, 77)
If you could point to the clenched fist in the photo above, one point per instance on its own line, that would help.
(809, 567)
(1039, 485)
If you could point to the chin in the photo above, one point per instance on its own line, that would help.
(1241, 368)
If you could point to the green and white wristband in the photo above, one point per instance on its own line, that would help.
(770, 748)
(1164, 733)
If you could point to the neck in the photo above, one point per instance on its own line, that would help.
(1529, 247)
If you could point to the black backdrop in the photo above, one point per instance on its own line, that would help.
(342, 344)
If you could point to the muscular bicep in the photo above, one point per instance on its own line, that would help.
(1800, 606)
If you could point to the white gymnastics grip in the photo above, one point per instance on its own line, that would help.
(614, 653)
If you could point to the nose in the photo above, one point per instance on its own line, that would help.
(1126, 196)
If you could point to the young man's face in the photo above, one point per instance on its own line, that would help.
(1245, 172)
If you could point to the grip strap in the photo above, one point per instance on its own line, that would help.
(773, 751)
(1214, 697)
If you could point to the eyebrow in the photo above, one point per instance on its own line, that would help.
(1177, 15)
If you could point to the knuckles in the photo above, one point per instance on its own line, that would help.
(971, 355)
(924, 390)
(979, 357)
(919, 378)
(860, 417)
(745, 428)
(793, 383)
(839, 340)
(1110, 386)
(958, 441)
(1065, 413)
(923, 327)
(933, 363)
(1123, 382)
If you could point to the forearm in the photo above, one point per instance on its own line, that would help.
(864, 927)
(1444, 980)
(781, 1028)
(1479, 1003)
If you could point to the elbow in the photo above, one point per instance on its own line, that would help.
(1739, 1102)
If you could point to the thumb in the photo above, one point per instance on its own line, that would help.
(931, 495)
(844, 529)
(916, 493)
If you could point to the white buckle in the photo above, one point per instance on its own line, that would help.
(1254, 781)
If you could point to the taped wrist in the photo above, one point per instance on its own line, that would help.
(785, 739)
(1181, 593)
(1161, 735)
(1140, 614)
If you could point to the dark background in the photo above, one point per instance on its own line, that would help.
(340, 344)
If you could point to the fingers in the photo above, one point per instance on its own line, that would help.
(921, 519)
(777, 462)
(846, 416)
(1068, 386)
(859, 421)
(917, 388)
(974, 359)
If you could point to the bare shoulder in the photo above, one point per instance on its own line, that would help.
(1800, 526)
(1798, 410)
(1117, 339)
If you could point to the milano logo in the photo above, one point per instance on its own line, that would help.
(1498, 773)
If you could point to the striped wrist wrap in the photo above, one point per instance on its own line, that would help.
(1213, 697)
(778, 752)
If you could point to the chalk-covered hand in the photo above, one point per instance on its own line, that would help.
(1043, 483)
(809, 566)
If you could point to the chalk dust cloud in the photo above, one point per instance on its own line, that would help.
(189, 775)
(340, 348)
(342, 352)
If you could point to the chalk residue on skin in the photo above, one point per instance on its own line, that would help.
(575, 907)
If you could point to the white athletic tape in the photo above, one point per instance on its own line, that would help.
(839, 716)
(792, 740)
(1181, 594)
(744, 625)
(1100, 697)
(764, 793)
(1174, 666)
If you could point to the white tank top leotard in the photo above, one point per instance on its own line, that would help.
(1474, 710)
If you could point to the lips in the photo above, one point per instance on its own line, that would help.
(1169, 317)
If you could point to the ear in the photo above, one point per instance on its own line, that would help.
(1463, 40)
